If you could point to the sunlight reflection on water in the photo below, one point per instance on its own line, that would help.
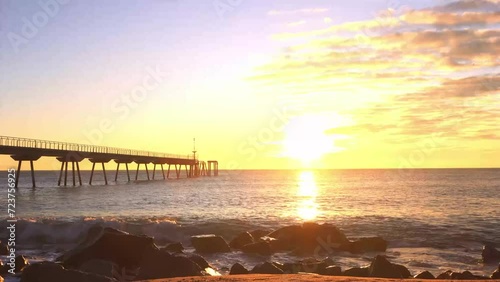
(307, 208)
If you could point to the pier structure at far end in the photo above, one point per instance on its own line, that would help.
(24, 149)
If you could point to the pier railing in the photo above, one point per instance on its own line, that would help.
(63, 146)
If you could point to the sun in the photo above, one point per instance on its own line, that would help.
(305, 139)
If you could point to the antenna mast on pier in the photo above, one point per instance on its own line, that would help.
(194, 148)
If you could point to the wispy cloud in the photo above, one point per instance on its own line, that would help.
(297, 23)
(402, 77)
(298, 11)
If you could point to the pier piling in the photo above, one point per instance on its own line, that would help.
(24, 149)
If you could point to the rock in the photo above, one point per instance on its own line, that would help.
(50, 271)
(241, 240)
(157, 264)
(262, 248)
(466, 275)
(310, 238)
(238, 269)
(210, 244)
(109, 244)
(490, 254)
(364, 245)
(275, 244)
(424, 275)
(21, 263)
(496, 273)
(445, 275)
(257, 234)
(278, 265)
(173, 248)
(314, 267)
(332, 270)
(4, 249)
(199, 260)
(357, 272)
(266, 268)
(382, 268)
(405, 273)
(100, 267)
(292, 268)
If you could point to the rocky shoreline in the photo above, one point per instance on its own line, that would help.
(108, 254)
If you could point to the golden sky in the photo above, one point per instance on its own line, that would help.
(261, 85)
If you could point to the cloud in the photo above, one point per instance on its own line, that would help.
(447, 19)
(297, 23)
(400, 76)
(469, 5)
(298, 11)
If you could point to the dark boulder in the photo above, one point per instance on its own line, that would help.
(405, 273)
(357, 272)
(257, 234)
(445, 275)
(292, 268)
(4, 249)
(490, 254)
(261, 248)
(332, 270)
(100, 267)
(496, 273)
(275, 244)
(314, 267)
(210, 244)
(238, 269)
(466, 275)
(241, 240)
(424, 275)
(364, 245)
(173, 248)
(310, 238)
(266, 268)
(157, 264)
(109, 244)
(382, 268)
(199, 260)
(21, 263)
(53, 272)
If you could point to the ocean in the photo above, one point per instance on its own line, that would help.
(433, 219)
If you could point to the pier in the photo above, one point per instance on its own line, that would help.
(31, 150)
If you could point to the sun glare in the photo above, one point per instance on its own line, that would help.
(305, 139)
(307, 207)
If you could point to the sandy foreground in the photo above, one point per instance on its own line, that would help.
(289, 277)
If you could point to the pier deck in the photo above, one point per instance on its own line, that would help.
(25, 149)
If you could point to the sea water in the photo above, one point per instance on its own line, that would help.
(433, 219)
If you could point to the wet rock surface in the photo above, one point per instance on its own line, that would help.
(111, 245)
(238, 269)
(210, 244)
(50, 271)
